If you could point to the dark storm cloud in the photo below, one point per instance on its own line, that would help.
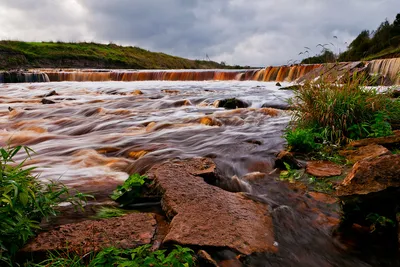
(258, 32)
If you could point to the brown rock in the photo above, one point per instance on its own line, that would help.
(205, 259)
(287, 157)
(372, 175)
(324, 198)
(129, 231)
(323, 168)
(387, 140)
(205, 215)
(365, 152)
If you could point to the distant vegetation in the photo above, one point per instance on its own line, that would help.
(16, 54)
(384, 42)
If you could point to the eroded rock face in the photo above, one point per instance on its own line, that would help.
(372, 175)
(129, 231)
(365, 152)
(323, 168)
(205, 215)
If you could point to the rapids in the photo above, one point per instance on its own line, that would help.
(100, 131)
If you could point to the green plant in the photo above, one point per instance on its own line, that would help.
(340, 112)
(58, 259)
(377, 220)
(130, 189)
(137, 257)
(109, 212)
(24, 201)
(381, 126)
(290, 174)
(301, 140)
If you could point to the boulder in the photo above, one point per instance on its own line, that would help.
(323, 168)
(278, 84)
(128, 231)
(206, 215)
(364, 152)
(232, 103)
(372, 175)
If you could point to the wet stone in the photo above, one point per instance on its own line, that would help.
(372, 175)
(365, 152)
(323, 168)
(205, 215)
(129, 231)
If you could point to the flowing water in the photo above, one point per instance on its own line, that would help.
(96, 133)
(100, 132)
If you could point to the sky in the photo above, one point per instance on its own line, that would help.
(237, 32)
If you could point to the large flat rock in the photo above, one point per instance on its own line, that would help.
(205, 215)
(365, 152)
(372, 175)
(129, 231)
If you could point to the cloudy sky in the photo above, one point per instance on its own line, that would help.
(245, 32)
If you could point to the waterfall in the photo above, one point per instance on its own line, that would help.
(388, 69)
(283, 73)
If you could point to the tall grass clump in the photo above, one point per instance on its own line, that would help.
(24, 202)
(338, 113)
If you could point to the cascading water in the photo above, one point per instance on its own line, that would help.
(389, 68)
(283, 73)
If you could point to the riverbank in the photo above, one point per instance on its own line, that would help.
(24, 55)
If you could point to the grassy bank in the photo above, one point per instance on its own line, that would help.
(16, 54)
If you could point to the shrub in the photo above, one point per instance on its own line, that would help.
(24, 201)
(340, 112)
(301, 140)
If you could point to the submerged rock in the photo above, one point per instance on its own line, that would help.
(128, 231)
(205, 215)
(281, 105)
(47, 101)
(291, 87)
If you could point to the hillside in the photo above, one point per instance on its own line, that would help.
(16, 54)
(382, 43)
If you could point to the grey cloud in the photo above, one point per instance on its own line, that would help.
(257, 33)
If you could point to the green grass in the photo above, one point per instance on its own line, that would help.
(390, 52)
(109, 212)
(59, 54)
(24, 202)
(137, 257)
(339, 113)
